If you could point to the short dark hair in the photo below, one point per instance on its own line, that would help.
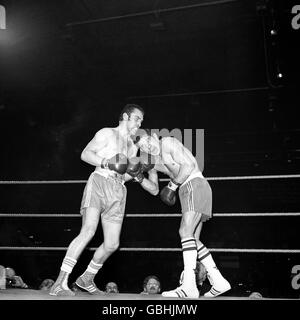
(148, 278)
(129, 108)
(141, 133)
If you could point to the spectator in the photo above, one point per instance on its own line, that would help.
(111, 287)
(46, 284)
(201, 276)
(255, 295)
(14, 281)
(11, 233)
(74, 287)
(151, 285)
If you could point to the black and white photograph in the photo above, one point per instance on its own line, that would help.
(150, 156)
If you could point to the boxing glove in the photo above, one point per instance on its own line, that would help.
(168, 193)
(117, 163)
(135, 169)
(148, 161)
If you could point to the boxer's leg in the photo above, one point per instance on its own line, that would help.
(111, 220)
(111, 234)
(188, 289)
(90, 219)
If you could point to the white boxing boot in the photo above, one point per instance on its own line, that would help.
(188, 288)
(219, 284)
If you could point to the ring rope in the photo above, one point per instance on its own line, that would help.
(283, 176)
(152, 215)
(160, 249)
(41, 181)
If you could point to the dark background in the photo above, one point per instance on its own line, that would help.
(66, 70)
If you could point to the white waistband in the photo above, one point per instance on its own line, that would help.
(110, 174)
(192, 176)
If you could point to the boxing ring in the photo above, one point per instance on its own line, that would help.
(29, 294)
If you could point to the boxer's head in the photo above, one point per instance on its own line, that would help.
(148, 143)
(133, 114)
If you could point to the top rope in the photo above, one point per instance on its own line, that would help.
(283, 176)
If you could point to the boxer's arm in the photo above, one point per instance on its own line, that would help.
(127, 177)
(100, 140)
(150, 184)
(132, 152)
(132, 149)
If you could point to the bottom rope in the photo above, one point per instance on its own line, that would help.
(159, 249)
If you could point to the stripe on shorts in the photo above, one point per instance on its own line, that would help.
(191, 206)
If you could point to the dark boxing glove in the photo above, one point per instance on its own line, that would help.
(148, 161)
(168, 193)
(135, 169)
(117, 163)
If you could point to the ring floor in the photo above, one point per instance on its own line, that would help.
(29, 294)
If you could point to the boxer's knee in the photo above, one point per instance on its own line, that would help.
(88, 232)
(185, 232)
(111, 246)
(199, 243)
(188, 225)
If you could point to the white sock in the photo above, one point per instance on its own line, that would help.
(66, 268)
(207, 260)
(189, 251)
(205, 257)
(91, 270)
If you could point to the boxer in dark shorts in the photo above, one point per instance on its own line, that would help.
(176, 161)
(196, 195)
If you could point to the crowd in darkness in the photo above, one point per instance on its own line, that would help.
(150, 285)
